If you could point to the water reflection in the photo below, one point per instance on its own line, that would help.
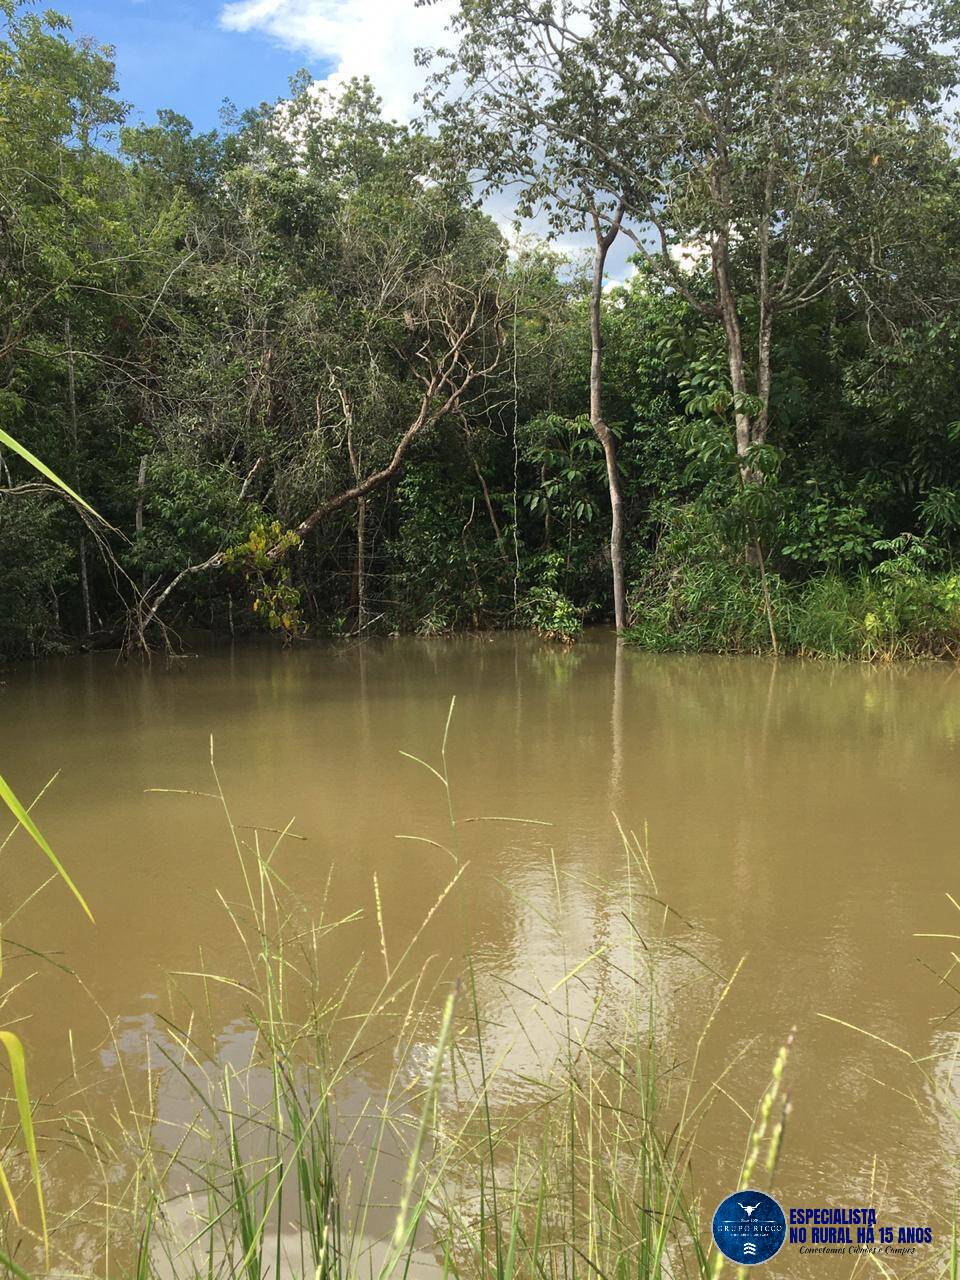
(801, 814)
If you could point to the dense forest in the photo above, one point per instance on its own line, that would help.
(312, 387)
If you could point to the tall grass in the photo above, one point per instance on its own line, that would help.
(460, 1160)
(577, 1159)
(899, 609)
(11, 1042)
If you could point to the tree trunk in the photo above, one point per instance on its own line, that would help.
(604, 239)
(616, 530)
(360, 580)
(738, 377)
(488, 503)
(138, 517)
(141, 489)
(85, 586)
(361, 563)
(764, 372)
(745, 423)
(72, 399)
(766, 315)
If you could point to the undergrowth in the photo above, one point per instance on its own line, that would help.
(463, 1161)
(697, 593)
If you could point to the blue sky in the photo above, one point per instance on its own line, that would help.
(177, 53)
(191, 54)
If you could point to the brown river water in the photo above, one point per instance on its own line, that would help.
(805, 816)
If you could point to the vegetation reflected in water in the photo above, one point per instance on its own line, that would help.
(782, 805)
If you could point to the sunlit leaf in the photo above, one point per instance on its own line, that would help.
(9, 442)
(18, 1070)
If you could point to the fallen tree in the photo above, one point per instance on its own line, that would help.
(457, 335)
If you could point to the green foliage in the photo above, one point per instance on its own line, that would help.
(211, 336)
(189, 507)
(876, 617)
(259, 558)
(566, 502)
(446, 566)
(827, 617)
(826, 533)
(914, 610)
(546, 609)
(696, 593)
(569, 461)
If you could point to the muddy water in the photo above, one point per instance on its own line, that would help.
(805, 816)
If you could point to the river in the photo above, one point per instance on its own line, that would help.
(802, 815)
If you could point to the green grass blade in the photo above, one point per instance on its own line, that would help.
(12, 1267)
(18, 1070)
(28, 824)
(8, 1195)
(44, 470)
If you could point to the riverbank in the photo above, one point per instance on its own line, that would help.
(706, 610)
(887, 614)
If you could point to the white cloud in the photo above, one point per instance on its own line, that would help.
(376, 38)
(689, 256)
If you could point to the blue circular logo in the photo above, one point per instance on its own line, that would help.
(749, 1227)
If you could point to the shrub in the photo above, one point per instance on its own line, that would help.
(697, 594)
(546, 609)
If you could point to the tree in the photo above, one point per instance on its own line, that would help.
(79, 268)
(522, 84)
(351, 303)
(790, 141)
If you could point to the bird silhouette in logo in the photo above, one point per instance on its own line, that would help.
(750, 1209)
